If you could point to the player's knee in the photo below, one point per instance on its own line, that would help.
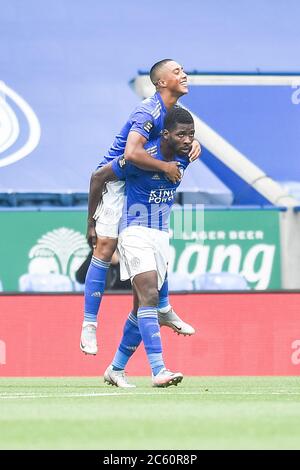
(105, 248)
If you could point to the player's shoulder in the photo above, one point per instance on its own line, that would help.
(151, 105)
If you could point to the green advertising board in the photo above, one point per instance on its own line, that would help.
(237, 241)
(240, 241)
(41, 242)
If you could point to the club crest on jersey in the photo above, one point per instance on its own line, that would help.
(147, 126)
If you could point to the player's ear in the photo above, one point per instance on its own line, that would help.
(161, 83)
(165, 134)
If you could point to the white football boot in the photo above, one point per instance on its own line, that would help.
(88, 340)
(172, 320)
(117, 378)
(165, 378)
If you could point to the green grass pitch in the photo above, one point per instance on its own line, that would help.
(201, 413)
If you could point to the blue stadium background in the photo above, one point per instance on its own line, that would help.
(72, 61)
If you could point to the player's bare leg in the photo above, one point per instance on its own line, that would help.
(105, 248)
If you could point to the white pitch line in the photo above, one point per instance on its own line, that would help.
(91, 395)
(120, 394)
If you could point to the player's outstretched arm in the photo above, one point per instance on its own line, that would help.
(195, 151)
(97, 185)
(136, 154)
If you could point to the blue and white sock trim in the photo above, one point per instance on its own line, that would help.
(133, 318)
(99, 263)
(147, 312)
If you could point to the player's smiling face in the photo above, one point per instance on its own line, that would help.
(174, 78)
(181, 138)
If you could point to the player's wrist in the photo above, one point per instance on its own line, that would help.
(163, 166)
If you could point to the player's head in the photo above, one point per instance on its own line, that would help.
(179, 130)
(169, 75)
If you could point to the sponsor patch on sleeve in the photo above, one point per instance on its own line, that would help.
(122, 162)
(147, 126)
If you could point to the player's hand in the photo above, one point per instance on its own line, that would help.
(172, 172)
(91, 234)
(195, 151)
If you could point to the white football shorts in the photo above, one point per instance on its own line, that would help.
(143, 249)
(109, 210)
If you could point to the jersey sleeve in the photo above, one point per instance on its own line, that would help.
(183, 164)
(118, 167)
(122, 168)
(143, 123)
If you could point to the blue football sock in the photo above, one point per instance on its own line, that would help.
(129, 343)
(149, 328)
(163, 301)
(94, 288)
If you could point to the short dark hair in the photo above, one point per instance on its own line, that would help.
(177, 115)
(156, 68)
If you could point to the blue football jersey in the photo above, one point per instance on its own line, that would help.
(149, 195)
(147, 119)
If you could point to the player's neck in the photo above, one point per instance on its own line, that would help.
(167, 153)
(168, 98)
